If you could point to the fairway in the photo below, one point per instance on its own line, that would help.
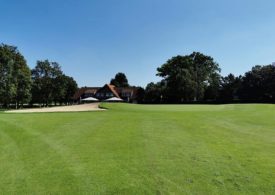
(140, 149)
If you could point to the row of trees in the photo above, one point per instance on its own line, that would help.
(190, 78)
(196, 78)
(20, 85)
(50, 84)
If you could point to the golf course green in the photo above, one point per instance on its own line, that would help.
(140, 149)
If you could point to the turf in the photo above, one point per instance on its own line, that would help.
(140, 149)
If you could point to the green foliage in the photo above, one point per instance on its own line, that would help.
(15, 77)
(154, 92)
(50, 84)
(230, 87)
(187, 77)
(71, 88)
(259, 84)
(212, 90)
(64, 88)
(140, 96)
(120, 80)
(140, 149)
(44, 76)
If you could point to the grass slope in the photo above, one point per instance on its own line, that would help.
(140, 149)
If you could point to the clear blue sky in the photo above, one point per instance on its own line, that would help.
(94, 39)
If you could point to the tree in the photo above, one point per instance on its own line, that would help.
(230, 86)
(45, 75)
(64, 89)
(59, 88)
(120, 80)
(15, 77)
(187, 77)
(259, 84)
(212, 89)
(140, 95)
(50, 84)
(71, 89)
(155, 92)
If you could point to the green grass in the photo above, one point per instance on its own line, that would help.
(140, 149)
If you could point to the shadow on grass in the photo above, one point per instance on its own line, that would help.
(101, 106)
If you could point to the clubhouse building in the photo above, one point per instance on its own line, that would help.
(128, 94)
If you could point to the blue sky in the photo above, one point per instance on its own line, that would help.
(94, 39)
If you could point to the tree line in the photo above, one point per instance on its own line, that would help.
(43, 85)
(185, 79)
(196, 78)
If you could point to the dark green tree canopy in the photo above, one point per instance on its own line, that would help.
(259, 84)
(71, 88)
(43, 76)
(187, 77)
(50, 84)
(155, 92)
(230, 86)
(120, 80)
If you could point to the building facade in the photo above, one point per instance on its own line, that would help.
(128, 94)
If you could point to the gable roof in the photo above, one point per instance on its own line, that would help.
(112, 88)
(126, 89)
(117, 91)
(92, 90)
(84, 90)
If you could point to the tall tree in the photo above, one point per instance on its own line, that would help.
(230, 86)
(15, 77)
(140, 95)
(188, 76)
(59, 88)
(259, 84)
(71, 88)
(213, 86)
(155, 92)
(64, 89)
(44, 76)
(120, 80)
(50, 84)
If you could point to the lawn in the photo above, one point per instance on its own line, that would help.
(140, 149)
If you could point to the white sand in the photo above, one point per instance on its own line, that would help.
(74, 108)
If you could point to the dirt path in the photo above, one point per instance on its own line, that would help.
(74, 108)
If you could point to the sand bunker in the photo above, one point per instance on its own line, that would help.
(74, 108)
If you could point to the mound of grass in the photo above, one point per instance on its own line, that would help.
(140, 149)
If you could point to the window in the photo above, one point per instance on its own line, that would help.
(126, 94)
